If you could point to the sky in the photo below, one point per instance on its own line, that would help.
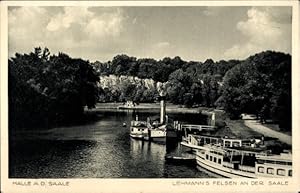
(193, 33)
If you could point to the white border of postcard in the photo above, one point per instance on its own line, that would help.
(158, 184)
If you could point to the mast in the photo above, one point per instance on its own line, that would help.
(162, 109)
(161, 88)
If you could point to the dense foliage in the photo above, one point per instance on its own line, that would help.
(260, 85)
(46, 90)
(160, 70)
(189, 83)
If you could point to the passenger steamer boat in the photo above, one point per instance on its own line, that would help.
(138, 129)
(148, 130)
(235, 158)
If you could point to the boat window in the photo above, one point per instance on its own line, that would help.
(270, 170)
(289, 163)
(142, 129)
(261, 169)
(280, 172)
(227, 143)
(210, 158)
(139, 129)
(207, 157)
(219, 161)
(290, 172)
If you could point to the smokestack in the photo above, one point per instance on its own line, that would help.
(162, 109)
(213, 119)
(162, 96)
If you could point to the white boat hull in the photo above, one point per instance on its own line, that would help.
(137, 136)
(138, 132)
(227, 162)
(222, 171)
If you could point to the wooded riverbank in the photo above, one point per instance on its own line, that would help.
(239, 128)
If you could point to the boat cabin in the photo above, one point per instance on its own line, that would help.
(274, 165)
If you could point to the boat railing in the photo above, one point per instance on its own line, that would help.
(197, 127)
(271, 158)
(184, 127)
(202, 140)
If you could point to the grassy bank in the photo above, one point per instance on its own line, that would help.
(231, 128)
(240, 130)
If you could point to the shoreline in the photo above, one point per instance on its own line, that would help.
(171, 108)
(243, 128)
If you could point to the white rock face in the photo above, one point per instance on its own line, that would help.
(113, 81)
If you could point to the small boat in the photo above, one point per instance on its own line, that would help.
(127, 105)
(138, 129)
(183, 158)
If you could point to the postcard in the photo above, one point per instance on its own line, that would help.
(149, 96)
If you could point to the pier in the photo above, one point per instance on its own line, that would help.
(182, 127)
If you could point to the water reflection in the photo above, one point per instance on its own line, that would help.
(102, 149)
(145, 157)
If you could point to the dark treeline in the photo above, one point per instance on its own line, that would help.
(48, 89)
(161, 70)
(188, 83)
(260, 85)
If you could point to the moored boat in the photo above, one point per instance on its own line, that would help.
(183, 158)
(127, 105)
(151, 130)
(235, 163)
(157, 133)
(234, 158)
(138, 129)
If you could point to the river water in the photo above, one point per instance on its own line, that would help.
(99, 149)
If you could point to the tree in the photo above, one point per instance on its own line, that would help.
(178, 85)
(46, 90)
(260, 85)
